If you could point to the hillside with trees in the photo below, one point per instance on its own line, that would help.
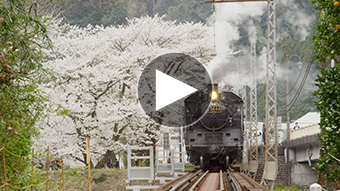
(116, 12)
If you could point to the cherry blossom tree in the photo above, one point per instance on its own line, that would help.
(94, 84)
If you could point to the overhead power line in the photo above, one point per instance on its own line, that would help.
(296, 96)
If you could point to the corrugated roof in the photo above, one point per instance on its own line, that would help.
(310, 118)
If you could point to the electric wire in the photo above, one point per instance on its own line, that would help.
(296, 96)
(302, 82)
(297, 79)
(304, 78)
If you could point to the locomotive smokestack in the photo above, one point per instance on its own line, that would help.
(212, 87)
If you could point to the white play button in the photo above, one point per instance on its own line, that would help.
(166, 82)
(169, 90)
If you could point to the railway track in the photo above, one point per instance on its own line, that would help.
(213, 180)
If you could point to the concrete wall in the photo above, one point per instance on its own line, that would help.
(301, 155)
(298, 154)
(299, 171)
(302, 174)
(292, 172)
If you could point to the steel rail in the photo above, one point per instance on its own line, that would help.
(246, 178)
(186, 181)
(235, 183)
(221, 181)
(198, 181)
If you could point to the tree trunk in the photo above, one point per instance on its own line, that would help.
(106, 157)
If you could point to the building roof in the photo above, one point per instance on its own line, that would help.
(310, 118)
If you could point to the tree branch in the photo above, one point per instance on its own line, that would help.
(109, 85)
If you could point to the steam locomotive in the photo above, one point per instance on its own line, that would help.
(215, 138)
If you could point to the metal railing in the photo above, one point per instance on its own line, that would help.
(137, 172)
(305, 131)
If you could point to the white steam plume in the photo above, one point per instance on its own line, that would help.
(225, 68)
(294, 15)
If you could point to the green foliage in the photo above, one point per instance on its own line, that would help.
(328, 105)
(327, 39)
(291, 188)
(191, 167)
(21, 104)
(27, 179)
(327, 47)
(105, 12)
(100, 179)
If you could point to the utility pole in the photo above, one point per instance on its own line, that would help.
(253, 163)
(245, 144)
(287, 101)
(271, 158)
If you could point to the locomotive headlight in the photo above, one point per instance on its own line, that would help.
(213, 95)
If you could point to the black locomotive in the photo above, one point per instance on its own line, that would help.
(216, 137)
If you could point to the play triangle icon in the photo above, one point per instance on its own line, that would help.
(169, 90)
(168, 84)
